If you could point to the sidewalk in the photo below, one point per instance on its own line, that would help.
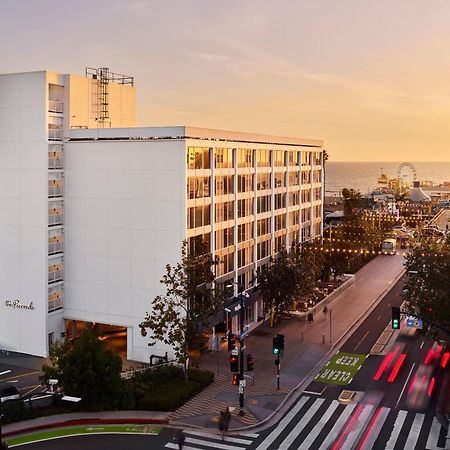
(305, 346)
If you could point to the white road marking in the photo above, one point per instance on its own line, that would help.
(290, 438)
(312, 436)
(404, 386)
(376, 429)
(401, 416)
(332, 435)
(203, 443)
(413, 435)
(234, 440)
(433, 437)
(282, 424)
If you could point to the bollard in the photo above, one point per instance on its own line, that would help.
(323, 339)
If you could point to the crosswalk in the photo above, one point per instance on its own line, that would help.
(323, 424)
(199, 440)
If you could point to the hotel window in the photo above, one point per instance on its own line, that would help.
(293, 179)
(280, 201)
(263, 204)
(263, 227)
(245, 232)
(245, 183)
(293, 158)
(294, 198)
(278, 158)
(263, 249)
(317, 212)
(249, 314)
(306, 214)
(263, 181)
(198, 187)
(224, 185)
(245, 256)
(245, 157)
(279, 243)
(280, 222)
(306, 176)
(316, 193)
(294, 237)
(279, 180)
(306, 233)
(224, 238)
(316, 158)
(198, 216)
(223, 158)
(245, 207)
(263, 158)
(224, 211)
(316, 176)
(294, 218)
(306, 196)
(198, 158)
(199, 245)
(306, 158)
(226, 264)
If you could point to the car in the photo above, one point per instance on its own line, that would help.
(421, 388)
(9, 393)
(400, 228)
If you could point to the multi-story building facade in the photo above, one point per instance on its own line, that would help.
(37, 110)
(92, 244)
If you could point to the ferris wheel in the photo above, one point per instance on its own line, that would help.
(407, 173)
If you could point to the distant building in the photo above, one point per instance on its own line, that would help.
(90, 217)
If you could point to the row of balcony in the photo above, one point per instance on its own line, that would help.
(55, 298)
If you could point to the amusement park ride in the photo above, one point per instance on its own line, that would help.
(406, 175)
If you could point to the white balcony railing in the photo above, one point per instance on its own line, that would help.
(55, 247)
(55, 160)
(55, 134)
(55, 300)
(55, 106)
(55, 190)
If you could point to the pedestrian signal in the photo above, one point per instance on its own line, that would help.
(234, 363)
(235, 381)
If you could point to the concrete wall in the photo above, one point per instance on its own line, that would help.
(23, 211)
(125, 220)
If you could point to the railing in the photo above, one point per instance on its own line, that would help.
(55, 216)
(55, 247)
(55, 160)
(55, 134)
(55, 275)
(55, 188)
(55, 300)
(55, 106)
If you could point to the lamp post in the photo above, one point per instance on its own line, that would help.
(242, 295)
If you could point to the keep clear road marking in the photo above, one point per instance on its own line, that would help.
(433, 437)
(290, 438)
(337, 427)
(401, 416)
(282, 425)
(415, 431)
(306, 444)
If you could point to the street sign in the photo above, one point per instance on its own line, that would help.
(241, 389)
(341, 368)
(243, 383)
(412, 322)
(235, 351)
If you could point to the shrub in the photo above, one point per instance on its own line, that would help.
(169, 396)
(15, 411)
(203, 377)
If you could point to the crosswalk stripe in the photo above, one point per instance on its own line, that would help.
(306, 444)
(353, 432)
(415, 431)
(185, 447)
(375, 431)
(332, 435)
(396, 430)
(211, 444)
(433, 437)
(234, 440)
(282, 424)
(290, 438)
(250, 435)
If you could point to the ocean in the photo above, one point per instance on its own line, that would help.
(363, 176)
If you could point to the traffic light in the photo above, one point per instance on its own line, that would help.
(278, 344)
(250, 363)
(235, 380)
(395, 318)
(231, 341)
(234, 363)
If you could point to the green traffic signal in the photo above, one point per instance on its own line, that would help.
(396, 318)
(395, 324)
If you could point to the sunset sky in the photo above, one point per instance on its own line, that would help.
(370, 78)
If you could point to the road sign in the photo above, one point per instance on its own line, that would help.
(341, 368)
(412, 322)
(241, 389)
(243, 383)
(235, 351)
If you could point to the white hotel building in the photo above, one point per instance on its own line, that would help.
(93, 208)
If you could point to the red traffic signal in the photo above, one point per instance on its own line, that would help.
(250, 363)
(234, 363)
(235, 380)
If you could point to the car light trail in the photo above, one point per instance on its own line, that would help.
(430, 387)
(429, 357)
(412, 383)
(445, 359)
(369, 429)
(356, 414)
(396, 368)
(384, 365)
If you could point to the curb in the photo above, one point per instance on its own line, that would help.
(77, 422)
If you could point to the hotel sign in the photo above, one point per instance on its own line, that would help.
(17, 304)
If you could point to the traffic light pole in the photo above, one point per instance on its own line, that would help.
(278, 372)
(241, 356)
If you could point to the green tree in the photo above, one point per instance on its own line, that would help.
(352, 199)
(427, 289)
(86, 369)
(277, 284)
(308, 265)
(179, 317)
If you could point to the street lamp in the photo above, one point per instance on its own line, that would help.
(242, 295)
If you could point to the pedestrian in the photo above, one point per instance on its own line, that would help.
(325, 310)
(310, 318)
(179, 439)
(222, 425)
(227, 417)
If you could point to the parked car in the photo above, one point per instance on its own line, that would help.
(9, 393)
